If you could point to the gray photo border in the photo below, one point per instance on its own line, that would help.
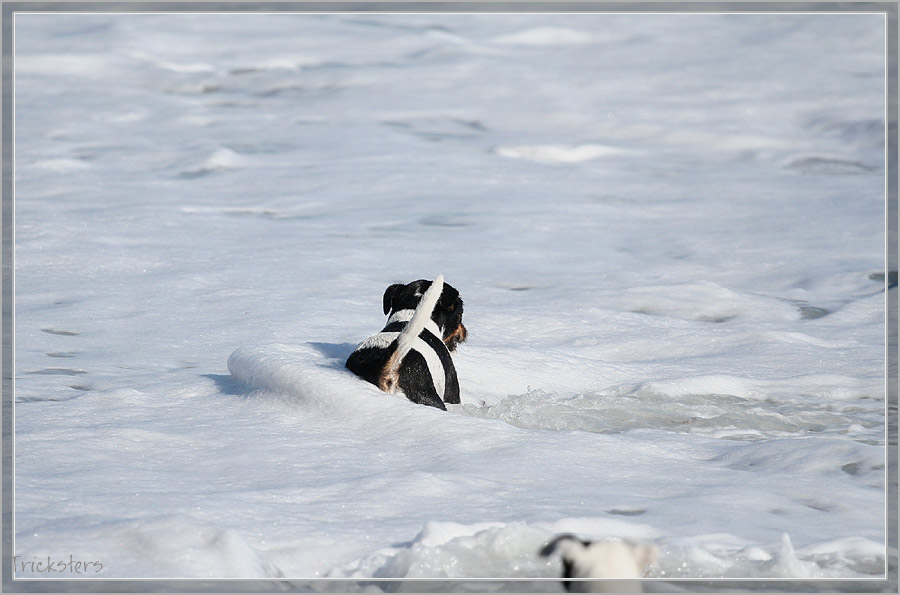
(8, 9)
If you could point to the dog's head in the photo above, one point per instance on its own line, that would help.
(447, 313)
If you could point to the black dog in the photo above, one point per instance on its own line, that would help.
(412, 353)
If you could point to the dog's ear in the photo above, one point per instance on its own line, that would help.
(448, 297)
(389, 295)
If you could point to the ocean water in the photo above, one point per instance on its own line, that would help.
(668, 231)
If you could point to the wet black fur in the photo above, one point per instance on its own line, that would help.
(414, 377)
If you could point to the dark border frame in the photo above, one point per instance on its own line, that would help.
(8, 9)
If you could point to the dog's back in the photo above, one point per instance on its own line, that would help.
(410, 355)
(389, 379)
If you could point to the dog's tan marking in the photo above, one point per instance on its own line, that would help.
(457, 336)
(389, 379)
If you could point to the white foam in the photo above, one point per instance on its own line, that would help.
(223, 158)
(545, 36)
(479, 551)
(62, 165)
(558, 153)
(296, 371)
